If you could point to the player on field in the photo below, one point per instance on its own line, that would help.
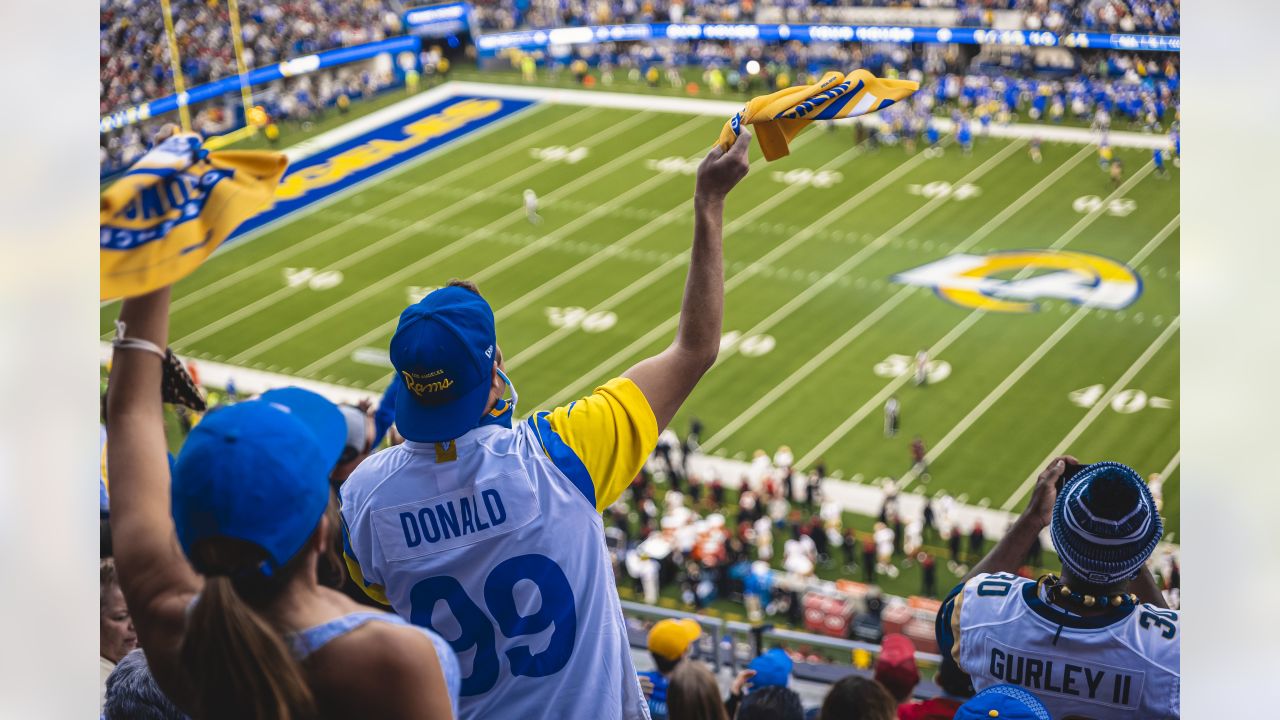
(922, 367)
(1157, 157)
(1117, 172)
(964, 135)
(531, 207)
(891, 416)
(489, 530)
(1099, 642)
(1034, 149)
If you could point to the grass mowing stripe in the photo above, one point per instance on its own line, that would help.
(391, 203)
(469, 239)
(871, 248)
(955, 333)
(1029, 362)
(599, 210)
(750, 270)
(1095, 411)
(389, 241)
(1171, 466)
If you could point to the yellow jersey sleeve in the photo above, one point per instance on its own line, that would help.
(373, 590)
(600, 442)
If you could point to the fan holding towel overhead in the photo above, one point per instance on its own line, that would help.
(779, 117)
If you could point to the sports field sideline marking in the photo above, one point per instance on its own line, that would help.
(390, 240)
(1094, 412)
(403, 273)
(391, 203)
(934, 351)
(742, 276)
(843, 341)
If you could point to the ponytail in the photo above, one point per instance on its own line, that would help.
(240, 666)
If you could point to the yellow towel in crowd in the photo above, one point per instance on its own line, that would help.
(778, 118)
(174, 207)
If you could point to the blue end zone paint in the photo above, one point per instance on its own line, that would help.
(317, 177)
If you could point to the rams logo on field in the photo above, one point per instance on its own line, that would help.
(1012, 281)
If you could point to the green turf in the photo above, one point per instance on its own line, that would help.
(808, 267)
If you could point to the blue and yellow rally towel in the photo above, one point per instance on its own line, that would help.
(174, 207)
(779, 117)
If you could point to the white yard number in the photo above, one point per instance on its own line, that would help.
(1118, 207)
(899, 365)
(560, 153)
(576, 317)
(750, 346)
(673, 165)
(944, 189)
(1125, 402)
(417, 292)
(811, 178)
(323, 280)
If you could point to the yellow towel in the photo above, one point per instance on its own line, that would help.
(779, 117)
(174, 207)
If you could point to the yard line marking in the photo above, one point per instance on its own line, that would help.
(406, 272)
(1095, 411)
(746, 273)
(969, 320)
(389, 241)
(572, 226)
(391, 204)
(843, 341)
(871, 248)
(630, 290)
(1025, 366)
(1171, 466)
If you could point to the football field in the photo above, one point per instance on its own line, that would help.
(1045, 296)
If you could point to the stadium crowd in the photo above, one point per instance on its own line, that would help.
(1144, 16)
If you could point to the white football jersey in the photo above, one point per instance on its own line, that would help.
(1122, 664)
(495, 541)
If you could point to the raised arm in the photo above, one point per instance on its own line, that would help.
(1011, 552)
(667, 378)
(155, 577)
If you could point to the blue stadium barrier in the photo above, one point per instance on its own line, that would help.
(289, 68)
(442, 20)
(491, 44)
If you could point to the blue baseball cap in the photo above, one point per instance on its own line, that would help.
(1006, 702)
(443, 352)
(772, 668)
(258, 471)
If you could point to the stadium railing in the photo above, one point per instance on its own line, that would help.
(756, 638)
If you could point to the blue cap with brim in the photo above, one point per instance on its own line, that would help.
(443, 353)
(772, 668)
(258, 471)
(1005, 702)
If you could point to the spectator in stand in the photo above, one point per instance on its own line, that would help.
(132, 693)
(769, 673)
(116, 635)
(669, 644)
(359, 442)
(896, 669)
(1104, 619)
(856, 698)
(693, 694)
(955, 687)
(232, 617)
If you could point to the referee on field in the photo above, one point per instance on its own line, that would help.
(488, 530)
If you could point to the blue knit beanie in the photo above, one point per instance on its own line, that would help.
(1105, 523)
